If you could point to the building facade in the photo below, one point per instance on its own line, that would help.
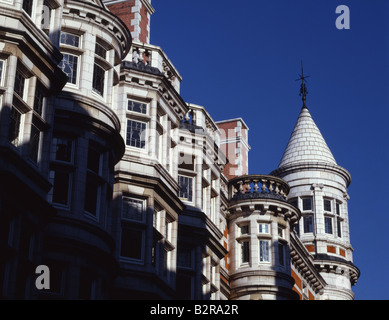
(133, 193)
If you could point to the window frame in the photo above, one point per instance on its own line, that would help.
(282, 253)
(305, 217)
(125, 201)
(146, 105)
(142, 133)
(62, 166)
(311, 203)
(94, 177)
(95, 80)
(327, 202)
(77, 69)
(260, 231)
(192, 179)
(34, 149)
(72, 148)
(20, 92)
(69, 188)
(328, 225)
(132, 230)
(245, 252)
(77, 36)
(3, 71)
(30, 8)
(19, 126)
(261, 254)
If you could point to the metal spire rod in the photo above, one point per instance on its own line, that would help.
(303, 88)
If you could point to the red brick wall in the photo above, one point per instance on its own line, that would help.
(297, 283)
(331, 249)
(123, 11)
(144, 22)
(310, 248)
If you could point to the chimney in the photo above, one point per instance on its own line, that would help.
(135, 14)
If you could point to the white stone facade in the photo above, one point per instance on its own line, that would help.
(128, 190)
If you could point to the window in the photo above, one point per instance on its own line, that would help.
(339, 227)
(264, 228)
(46, 16)
(61, 188)
(307, 204)
(137, 107)
(92, 188)
(39, 99)
(19, 84)
(245, 251)
(94, 159)
(328, 225)
(244, 229)
(70, 39)
(297, 228)
(281, 253)
(34, 143)
(69, 65)
(280, 232)
(338, 208)
(133, 209)
(1, 72)
(294, 202)
(132, 244)
(91, 195)
(64, 150)
(27, 6)
(308, 223)
(264, 253)
(136, 132)
(14, 127)
(62, 174)
(327, 205)
(185, 258)
(98, 79)
(100, 51)
(186, 187)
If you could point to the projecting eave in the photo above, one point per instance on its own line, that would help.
(312, 166)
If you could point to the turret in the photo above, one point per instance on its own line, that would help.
(318, 187)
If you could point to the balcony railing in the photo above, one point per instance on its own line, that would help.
(257, 187)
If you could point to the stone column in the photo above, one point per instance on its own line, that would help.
(198, 181)
(152, 132)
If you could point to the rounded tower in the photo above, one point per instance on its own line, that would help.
(85, 146)
(260, 223)
(318, 187)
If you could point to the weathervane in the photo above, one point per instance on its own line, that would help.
(303, 88)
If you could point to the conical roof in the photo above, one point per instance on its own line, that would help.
(306, 143)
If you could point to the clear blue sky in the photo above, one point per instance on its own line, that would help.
(241, 59)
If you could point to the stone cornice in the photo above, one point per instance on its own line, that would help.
(302, 260)
(309, 166)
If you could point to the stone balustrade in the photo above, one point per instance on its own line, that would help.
(151, 58)
(257, 187)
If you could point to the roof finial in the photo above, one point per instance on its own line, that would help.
(303, 88)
